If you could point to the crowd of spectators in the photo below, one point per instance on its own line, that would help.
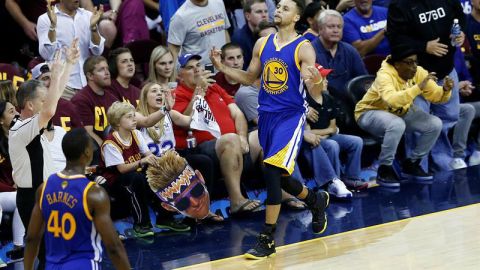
(423, 97)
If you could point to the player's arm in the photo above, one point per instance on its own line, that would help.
(99, 205)
(35, 232)
(311, 75)
(244, 77)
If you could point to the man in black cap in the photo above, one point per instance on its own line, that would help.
(387, 110)
(426, 25)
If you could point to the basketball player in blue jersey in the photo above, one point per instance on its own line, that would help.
(284, 60)
(77, 215)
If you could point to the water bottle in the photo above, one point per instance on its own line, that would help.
(191, 140)
(455, 32)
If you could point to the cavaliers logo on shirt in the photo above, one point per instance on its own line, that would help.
(275, 76)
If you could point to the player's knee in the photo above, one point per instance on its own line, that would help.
(291, 185)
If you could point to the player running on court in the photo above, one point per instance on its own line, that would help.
(284, 60)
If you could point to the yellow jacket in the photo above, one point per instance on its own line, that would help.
(391, 93)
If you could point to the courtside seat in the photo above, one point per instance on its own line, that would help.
(356, 88)
(373, 62)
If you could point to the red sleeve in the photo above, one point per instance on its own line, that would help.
(182, 99)
(84, 109)
(225, 96)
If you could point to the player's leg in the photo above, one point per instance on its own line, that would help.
(265, 245)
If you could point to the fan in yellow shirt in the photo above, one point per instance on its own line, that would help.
(387, 110)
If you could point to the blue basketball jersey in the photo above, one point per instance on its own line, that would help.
(69, 232)
(281, 87)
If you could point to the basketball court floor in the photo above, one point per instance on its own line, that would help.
(421, 226)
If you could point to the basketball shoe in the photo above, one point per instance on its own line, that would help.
(265, 247)
(319, 214)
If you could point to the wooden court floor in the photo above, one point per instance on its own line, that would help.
(443, 240)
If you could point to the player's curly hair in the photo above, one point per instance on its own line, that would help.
(165, 169)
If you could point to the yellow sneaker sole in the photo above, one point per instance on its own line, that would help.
(253, 257)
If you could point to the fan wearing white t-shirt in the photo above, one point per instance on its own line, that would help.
(160, 137)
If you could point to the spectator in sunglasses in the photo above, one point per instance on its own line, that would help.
(178, 186)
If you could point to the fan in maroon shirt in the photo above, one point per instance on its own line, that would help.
(93, 101)
(122, 70)
(66, 115)
(11, 73)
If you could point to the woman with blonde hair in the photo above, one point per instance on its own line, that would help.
(160, 137)
(161, 67)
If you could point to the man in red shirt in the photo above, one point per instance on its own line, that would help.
(232, 56)
(94, 99)
(228, 149)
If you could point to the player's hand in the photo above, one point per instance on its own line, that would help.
(311, 138)
(465, 88)
(313, 76)
(312, 115)
(97, 14)
(436, 48)
(216, 58)
(51, 14)
(430, 76)
(244, 144)
(447, 84)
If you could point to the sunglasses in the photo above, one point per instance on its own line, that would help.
(183, 203)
